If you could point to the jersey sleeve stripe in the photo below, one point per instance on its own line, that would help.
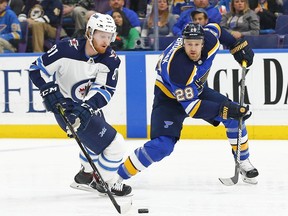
(42, 67)
(214, 49)
(214, 28)
(193, 107)
(192, 75)
(104, 93)
(164, 89)
(170, 59)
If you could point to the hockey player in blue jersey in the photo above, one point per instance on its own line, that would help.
(82, 75)
(181, 91)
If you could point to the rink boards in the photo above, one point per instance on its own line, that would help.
(22, 113)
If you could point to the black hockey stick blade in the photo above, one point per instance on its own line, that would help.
(233, 180)
(121, 209)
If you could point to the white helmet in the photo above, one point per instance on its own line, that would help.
(101, 22)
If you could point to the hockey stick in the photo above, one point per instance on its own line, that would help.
(233, 180)
(96, 173)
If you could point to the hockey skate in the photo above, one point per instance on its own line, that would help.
(117, 189)
(86, 181)
(248, 172)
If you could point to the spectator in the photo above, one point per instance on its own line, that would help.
(285, 7)
(77, 10)
(165, 23)
(200, 16)
(102, 6)
(241, 20)
(28, 5)
(43, 19)
(130, 14)
(10, 31)
(185, 18)
(126, 34)
(81, 32)
(223, 6)
(16, 6)
(179, 6)
(139, 6)
(268, 11)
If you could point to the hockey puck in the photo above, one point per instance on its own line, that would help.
(143, 210)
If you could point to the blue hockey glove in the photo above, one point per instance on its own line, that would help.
(51, 96)
(229, 109)
(242, 52)
(80, 117)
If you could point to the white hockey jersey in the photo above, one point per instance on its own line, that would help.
(80, 77)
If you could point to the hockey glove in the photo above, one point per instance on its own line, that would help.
(242, 52)
(80, 117)
(51, 96)
(230, 109)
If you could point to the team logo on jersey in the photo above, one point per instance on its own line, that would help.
(74, 42)
(113, 54)
(168, 123)
(83, 90)
(102, 132)
(80, 89)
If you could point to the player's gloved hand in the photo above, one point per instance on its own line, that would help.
(80, 117)
(51, 96)
(229, 109)
(242, 52)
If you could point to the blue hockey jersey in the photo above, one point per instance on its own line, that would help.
(180, 78)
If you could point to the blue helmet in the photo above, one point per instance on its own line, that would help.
(193, 31)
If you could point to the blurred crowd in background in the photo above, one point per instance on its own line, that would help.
(36, 25)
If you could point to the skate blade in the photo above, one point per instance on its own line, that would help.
(83, 187)
(228, 181)
(105, 194)
(249, 180)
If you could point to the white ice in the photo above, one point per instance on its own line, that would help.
(35, 175)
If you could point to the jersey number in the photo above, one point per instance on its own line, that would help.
(184, 94)
(52, 51)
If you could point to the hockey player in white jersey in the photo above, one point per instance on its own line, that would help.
(82, 75)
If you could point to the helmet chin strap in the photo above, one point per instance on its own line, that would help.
(91, 44)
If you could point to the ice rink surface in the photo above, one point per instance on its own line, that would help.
(35, 175)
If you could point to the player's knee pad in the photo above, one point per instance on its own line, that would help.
(160, 147)
(111, 158)
(117, 147)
